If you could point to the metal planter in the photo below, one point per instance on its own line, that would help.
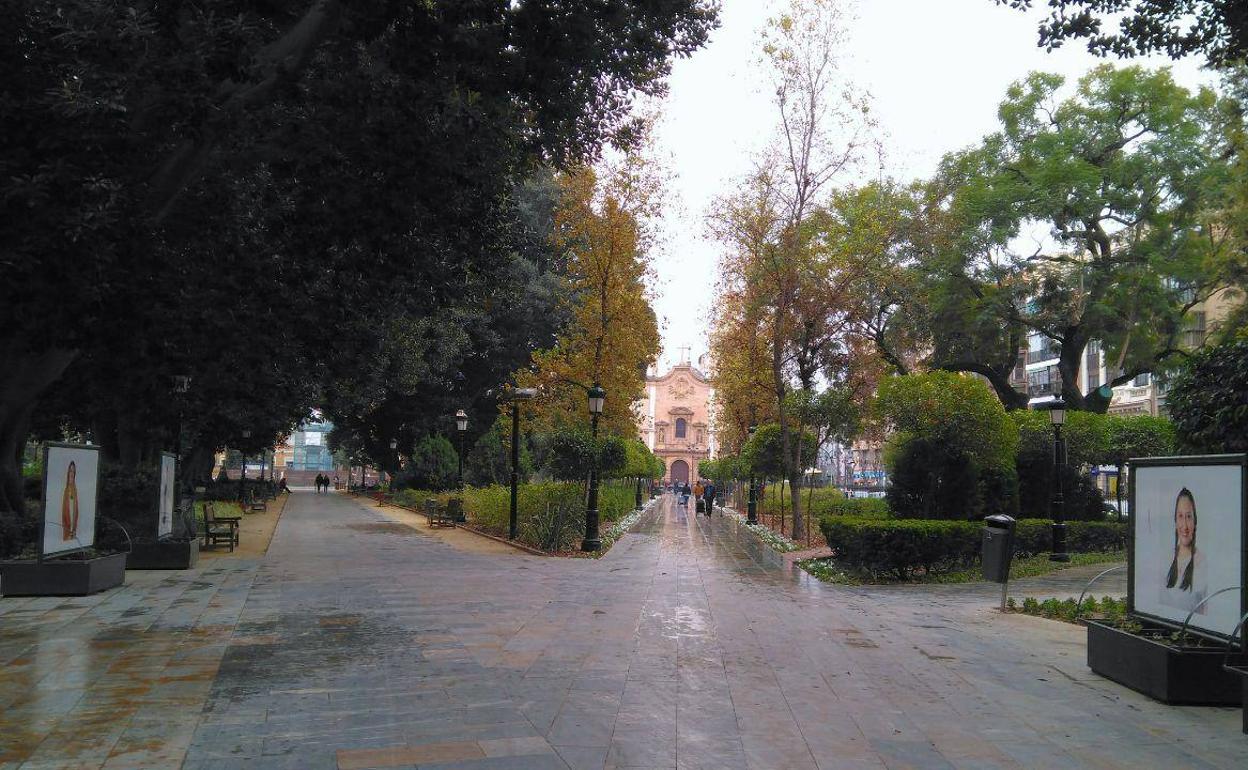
(62, 577)
(1186, 676)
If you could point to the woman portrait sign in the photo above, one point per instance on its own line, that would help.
(1185, 580)
(69, 504)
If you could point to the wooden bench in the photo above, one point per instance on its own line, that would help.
(219, 530)
(437, 514)
(257, 502)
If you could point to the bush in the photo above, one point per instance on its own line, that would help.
(1206, 398)
(1035, 536)
(855, 508)
(1087, 442)
(434, 465)
(549, 515)
(952, 451)
(904, 548)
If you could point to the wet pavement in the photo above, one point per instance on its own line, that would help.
(358, 643)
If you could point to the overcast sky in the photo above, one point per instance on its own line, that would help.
(936, 71)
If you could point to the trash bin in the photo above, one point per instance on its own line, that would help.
(998, 547)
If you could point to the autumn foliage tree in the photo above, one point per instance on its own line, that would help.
(786, 270)
(604, 226)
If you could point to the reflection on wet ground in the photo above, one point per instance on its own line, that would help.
(689, 644)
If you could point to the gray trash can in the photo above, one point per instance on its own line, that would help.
(998, 547)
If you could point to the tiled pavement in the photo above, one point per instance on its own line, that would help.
(358, 643)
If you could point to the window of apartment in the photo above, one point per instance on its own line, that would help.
(1092, 364)
(1141, 381)
(1194, 330)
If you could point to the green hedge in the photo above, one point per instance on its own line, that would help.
(856, 508)
(549, 515)
(904, 548)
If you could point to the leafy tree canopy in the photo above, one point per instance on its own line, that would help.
(1218, 29)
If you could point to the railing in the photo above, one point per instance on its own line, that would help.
(1044, 354)
(1042, 389)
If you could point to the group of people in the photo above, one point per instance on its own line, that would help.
(322, 483)
(703, 493)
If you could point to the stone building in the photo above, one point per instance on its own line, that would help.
(675, 421)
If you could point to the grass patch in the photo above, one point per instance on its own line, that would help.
(829, 571)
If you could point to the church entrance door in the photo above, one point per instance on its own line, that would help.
(680, 472)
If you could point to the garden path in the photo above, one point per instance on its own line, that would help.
(358, 643)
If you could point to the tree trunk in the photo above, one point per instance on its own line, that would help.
(27, 376)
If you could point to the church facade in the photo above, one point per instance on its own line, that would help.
(675, 420)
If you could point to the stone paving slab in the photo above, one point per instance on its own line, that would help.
(359, 643)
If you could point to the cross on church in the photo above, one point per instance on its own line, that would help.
(684, 354)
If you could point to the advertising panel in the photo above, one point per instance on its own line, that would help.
(71, 476)
(1187, 518)
(168, 472)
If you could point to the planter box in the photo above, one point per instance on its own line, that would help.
(62, 578)
(1181, 676)
(163, 554)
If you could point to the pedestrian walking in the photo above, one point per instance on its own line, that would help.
(708, 494)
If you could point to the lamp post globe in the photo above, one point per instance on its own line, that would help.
(1057, 418)
(592, 542)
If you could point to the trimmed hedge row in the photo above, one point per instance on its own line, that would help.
(856, 508)
(904, 548)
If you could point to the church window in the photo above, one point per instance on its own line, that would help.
(680, 427)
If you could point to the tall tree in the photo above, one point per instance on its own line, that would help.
(770, 226)
(1127, 176)
(604, 224)
(375, 134)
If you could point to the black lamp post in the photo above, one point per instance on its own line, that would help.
(1057, 417)
(461, 424)
(592, 542)
(242, 464)
(182, 386)
(517, 395)
(751, 507)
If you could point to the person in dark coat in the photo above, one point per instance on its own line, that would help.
(708, 495)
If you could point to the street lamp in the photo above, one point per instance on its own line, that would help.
(751, 507)
(242, 465)
(182, 386)
(517, 395)
(461, 424)
(1057, 417)
(597, 399)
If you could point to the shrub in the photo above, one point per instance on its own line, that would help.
(1087, 441)
(549, 515)
(1206, 398)
(904, 548)
(953, 446)
(855, 508)
(434, 465)
(901, 549)
(1035, 536)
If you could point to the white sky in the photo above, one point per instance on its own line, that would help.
(936, 71)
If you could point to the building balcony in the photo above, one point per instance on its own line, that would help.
(1042, 389)
(1049, 353)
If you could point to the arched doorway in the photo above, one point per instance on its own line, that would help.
(680, 472)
